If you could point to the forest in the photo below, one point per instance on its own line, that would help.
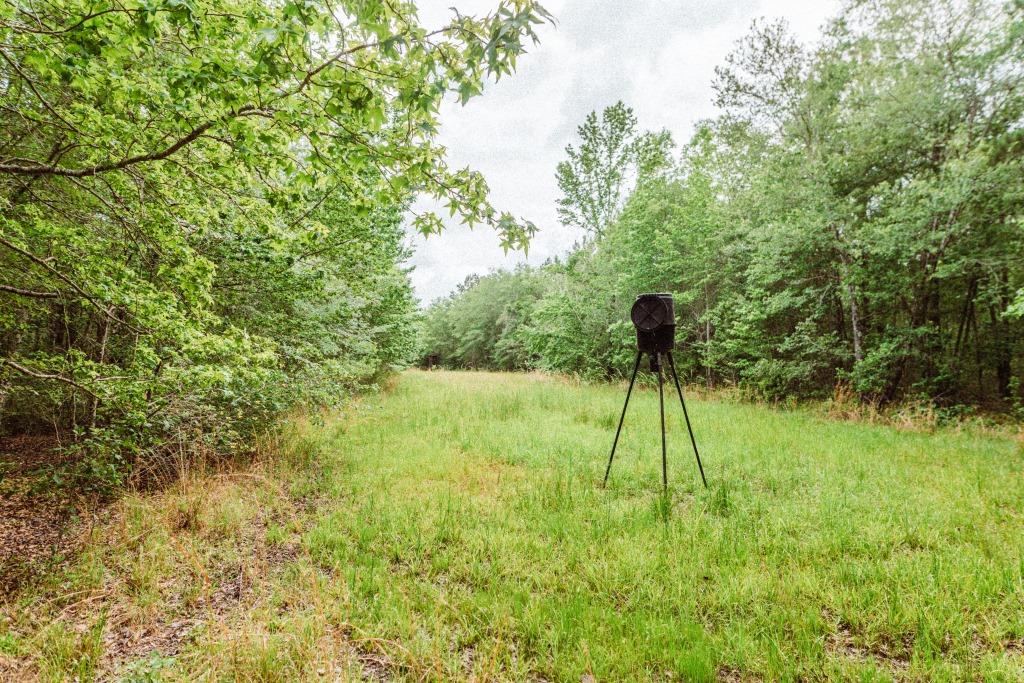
(851, 223)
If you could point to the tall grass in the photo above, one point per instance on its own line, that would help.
(455, 529)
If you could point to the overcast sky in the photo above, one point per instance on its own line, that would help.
(656, 56)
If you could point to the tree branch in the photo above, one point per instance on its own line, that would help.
(42, 375)
(40, 262)
(39, 96)
(47, 169)
(28, 292)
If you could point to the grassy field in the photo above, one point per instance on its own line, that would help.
(454, 528)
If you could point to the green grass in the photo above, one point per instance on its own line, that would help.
(475, 523)
(455, 528)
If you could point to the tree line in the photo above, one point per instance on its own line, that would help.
(202, 207)
(852, 217)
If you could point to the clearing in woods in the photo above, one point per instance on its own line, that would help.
(454, 528)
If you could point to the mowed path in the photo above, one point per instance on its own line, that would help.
(475, 534)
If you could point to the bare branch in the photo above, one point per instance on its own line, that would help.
(28, 292)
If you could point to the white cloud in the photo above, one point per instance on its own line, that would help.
(658, 57)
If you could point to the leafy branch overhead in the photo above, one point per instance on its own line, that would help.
(304, 91)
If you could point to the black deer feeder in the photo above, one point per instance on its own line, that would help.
(653, 316)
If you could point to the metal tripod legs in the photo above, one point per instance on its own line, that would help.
(636, 366)
(656, 367)
(686, 414)
(655, 361)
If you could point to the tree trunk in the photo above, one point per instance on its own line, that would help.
(5, 373)
(851, 292)
(962, 326)
(707, 337)
(858, 353)
(102, 358)
(1002, 343)
(920, 307)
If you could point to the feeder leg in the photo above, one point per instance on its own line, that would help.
(636, 366)
(661, 409)
(675, 376)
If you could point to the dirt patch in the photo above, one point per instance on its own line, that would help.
(236, 586)
(25, 455)
(197, 602)
(728, 674)
(125, 643)
(12, 670)
(36, 529)
(35, 532)
(128, 641)
(842, 643)
(375, 667)
(369, 658)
